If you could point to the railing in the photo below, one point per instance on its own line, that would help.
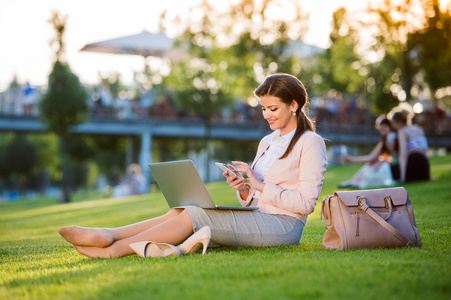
(196, 128)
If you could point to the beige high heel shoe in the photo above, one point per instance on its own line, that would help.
(152, 249)
(199, 239)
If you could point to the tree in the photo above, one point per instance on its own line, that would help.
(21, 158)
(410, 45)
(339, 67)
(110, 155)
(261, 42)
(390, 23)
(48, 165)
(65, 102)
(381, 83)
(81, 149)
(5, 172)
(432, 44)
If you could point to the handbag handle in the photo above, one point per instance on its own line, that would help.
(390, 206)
(363, 206)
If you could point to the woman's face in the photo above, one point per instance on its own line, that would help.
(384, 129)
(278, 114)
(397, 125)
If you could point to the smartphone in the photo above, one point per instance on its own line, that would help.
(224, 167)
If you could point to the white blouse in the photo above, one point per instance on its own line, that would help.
(277, 147)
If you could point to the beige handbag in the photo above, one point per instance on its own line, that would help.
(380, 218)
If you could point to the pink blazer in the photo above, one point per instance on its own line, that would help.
(293, 184)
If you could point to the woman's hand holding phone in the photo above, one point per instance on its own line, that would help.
(253, 179)
(234, 179)
(229, 169)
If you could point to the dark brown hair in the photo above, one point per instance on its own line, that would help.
(401, 117)
(288, 88)
(383, 120)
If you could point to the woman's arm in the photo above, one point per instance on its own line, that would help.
(402, 158)
(303, 194)
(374, 155)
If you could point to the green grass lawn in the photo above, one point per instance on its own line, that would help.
(36, 263)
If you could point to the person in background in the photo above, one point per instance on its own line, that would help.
(137, 180)
(377, 165)
(413, 163)
(133, 183)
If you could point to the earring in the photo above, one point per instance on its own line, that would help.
(294, 114)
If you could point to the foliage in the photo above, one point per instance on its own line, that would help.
(34, 158)
(4, 141)
(339, 67)
(65, 102)
(26, 159)
(38, 264)
(236, 150)
(167, 148)
(21, 155)
(235, 50)
(110, 155)
(391, 22)
(432, 45)
(198, 92)
(81, 147)
(262, 44)
(379, 82)
(392, 51)
(59, 25)
(47, 147)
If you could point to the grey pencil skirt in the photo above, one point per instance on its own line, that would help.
(237, 228)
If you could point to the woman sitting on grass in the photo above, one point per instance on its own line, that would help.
(284, 182)
(413, 146)
(376, 171)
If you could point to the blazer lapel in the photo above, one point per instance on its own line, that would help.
(260, 152)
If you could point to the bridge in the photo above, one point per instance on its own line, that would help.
(196, 128)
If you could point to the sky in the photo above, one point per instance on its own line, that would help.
(25, 34)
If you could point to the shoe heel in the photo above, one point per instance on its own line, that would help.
(198, 240)
(205, 246)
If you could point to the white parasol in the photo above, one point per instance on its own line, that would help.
(144, 44)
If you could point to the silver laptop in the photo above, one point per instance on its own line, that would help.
(181, 185)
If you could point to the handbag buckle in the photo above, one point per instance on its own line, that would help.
(362, 203)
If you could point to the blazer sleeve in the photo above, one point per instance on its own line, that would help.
(303, 195)
(248, 200)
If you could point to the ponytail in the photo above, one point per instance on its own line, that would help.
(304, 124)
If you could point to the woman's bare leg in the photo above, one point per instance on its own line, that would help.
(174, 231)
(103, 237)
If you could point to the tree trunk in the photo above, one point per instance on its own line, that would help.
(407, 75)
(65, 195)
(85, 174)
